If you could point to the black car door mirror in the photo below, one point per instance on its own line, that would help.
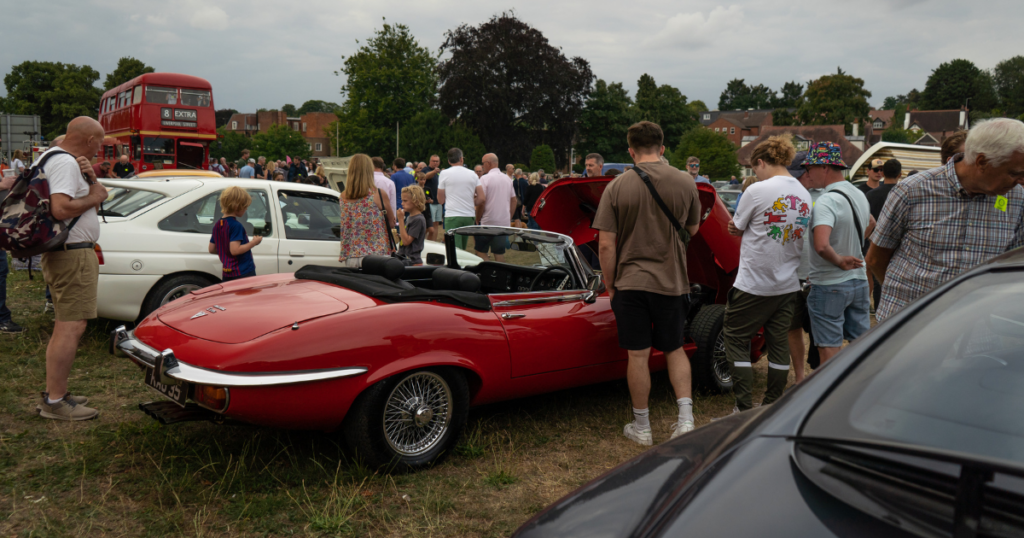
(434, 258)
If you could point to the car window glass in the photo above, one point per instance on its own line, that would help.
(124, 202)
(310, 215)
(199, 216)
(520, 249)
(950, 378)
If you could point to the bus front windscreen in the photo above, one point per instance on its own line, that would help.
(199, 98)
(161, 96)
(158, 150)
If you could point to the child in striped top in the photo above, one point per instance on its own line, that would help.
(229, 241)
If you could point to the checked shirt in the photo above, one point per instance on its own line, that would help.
(938, 231)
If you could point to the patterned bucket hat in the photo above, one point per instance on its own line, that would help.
(825, 153)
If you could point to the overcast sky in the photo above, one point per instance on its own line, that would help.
(263, 54)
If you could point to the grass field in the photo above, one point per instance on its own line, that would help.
(125, 475)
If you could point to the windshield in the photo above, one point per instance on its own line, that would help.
(195, 98)
(951, 378)
(162, 96)
(123, 202)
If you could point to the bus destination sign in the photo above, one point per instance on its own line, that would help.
(176, 117)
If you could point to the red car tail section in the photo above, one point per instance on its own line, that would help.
(568, 207)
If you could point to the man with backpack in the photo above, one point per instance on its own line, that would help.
(71, 271)
(838, 303)
(7, 325)
(644, 216)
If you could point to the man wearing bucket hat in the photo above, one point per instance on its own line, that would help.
(839, 300)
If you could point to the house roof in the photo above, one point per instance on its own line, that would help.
(746, 119)
(815, 133)
(936, 121)
(243, 119)
(884, 115)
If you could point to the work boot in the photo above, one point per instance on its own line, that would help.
(80, 400)
(66, 409)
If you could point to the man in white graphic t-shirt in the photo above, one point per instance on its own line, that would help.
(772, 217)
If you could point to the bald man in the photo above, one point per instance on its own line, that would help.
(73, 271)
(499, 204)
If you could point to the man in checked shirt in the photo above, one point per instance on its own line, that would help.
(942, 222)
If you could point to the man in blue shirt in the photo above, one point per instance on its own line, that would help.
(693, 168)
(248, 171)
(402, 178)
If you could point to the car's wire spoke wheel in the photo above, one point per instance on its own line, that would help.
(178, 292)
(417, 413)
(719, 361)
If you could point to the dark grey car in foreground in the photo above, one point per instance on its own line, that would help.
(916, 429)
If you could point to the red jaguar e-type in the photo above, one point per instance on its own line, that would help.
(394, 356)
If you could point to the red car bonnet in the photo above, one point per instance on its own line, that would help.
(240, 315)
(568, 205)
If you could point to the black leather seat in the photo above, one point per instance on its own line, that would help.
(385, 266)
(446, 278)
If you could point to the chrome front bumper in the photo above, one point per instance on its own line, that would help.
(170, 370)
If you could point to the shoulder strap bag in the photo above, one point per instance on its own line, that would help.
(684, 236)
(856, 221)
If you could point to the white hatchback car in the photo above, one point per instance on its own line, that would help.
(154, 242)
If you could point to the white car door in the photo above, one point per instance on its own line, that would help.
(192, 227)
(309, 229)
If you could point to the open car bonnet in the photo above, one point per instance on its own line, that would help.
(240, 315)
(568, 206)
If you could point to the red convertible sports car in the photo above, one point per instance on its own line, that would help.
(394, 356)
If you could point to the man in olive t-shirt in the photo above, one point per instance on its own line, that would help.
(644, 263)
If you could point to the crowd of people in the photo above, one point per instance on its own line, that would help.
(817, 253)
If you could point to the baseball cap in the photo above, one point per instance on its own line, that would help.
(876, 163)
(796, 168)
(252, 160)
(825, 153)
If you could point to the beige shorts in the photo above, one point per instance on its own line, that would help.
(73, 276)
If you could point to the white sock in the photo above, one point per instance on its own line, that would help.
(685, 409)
(51, 402)
(642, 417)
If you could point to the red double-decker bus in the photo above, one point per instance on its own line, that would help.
(161, 120)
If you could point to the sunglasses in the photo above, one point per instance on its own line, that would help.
(695, 165)
(879, 169)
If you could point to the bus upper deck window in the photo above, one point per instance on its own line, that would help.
(161, 96)
(137, 98)
(198, 98)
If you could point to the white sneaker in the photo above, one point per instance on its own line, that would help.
(640, 436)
(680, 428)
(735, 410)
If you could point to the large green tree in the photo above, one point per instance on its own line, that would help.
(664, 105)
(1009, 81)
(289, 110)
(739, 96)
(952, 83)
(54, 91)
(229, 145)
(431, 133)
(317, 106)
(716, 153)
(512, 87)
(390, 79)
(837, 99)
(789, 96)
(279, 142)
(605, 118)
(127, 69)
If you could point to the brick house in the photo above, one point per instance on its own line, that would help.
(310, 125)
(933, 126)
(804, 136)
(737, 124)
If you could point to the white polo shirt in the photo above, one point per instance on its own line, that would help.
(459, 184)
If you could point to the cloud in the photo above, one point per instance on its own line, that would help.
(209, 18)
(693, 30)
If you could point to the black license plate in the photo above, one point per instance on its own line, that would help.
(176, 393)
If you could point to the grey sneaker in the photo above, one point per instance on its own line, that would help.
(80, 400)
(640, 436)
(66, 409)
(679, 428)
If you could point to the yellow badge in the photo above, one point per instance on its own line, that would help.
(1001, 203)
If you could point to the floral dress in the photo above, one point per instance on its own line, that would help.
(362, 229)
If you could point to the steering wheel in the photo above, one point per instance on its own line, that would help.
(547, 270)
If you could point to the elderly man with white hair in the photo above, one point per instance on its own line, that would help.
(941, 222)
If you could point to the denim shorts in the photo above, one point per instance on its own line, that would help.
(435, 213)
(838, 311)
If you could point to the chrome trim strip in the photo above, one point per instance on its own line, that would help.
(546, 299)
(146, 356)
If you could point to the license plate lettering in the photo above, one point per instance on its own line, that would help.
(177, 393)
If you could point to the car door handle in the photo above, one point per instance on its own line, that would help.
(296, 253)
(506, 315)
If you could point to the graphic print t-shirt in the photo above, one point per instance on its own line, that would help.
(775, 215)
(226, 230)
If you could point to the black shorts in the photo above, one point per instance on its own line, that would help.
(496, 243)
(646, 319)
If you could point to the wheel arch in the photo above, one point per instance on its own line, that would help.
(152, 289)
(474, 378)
